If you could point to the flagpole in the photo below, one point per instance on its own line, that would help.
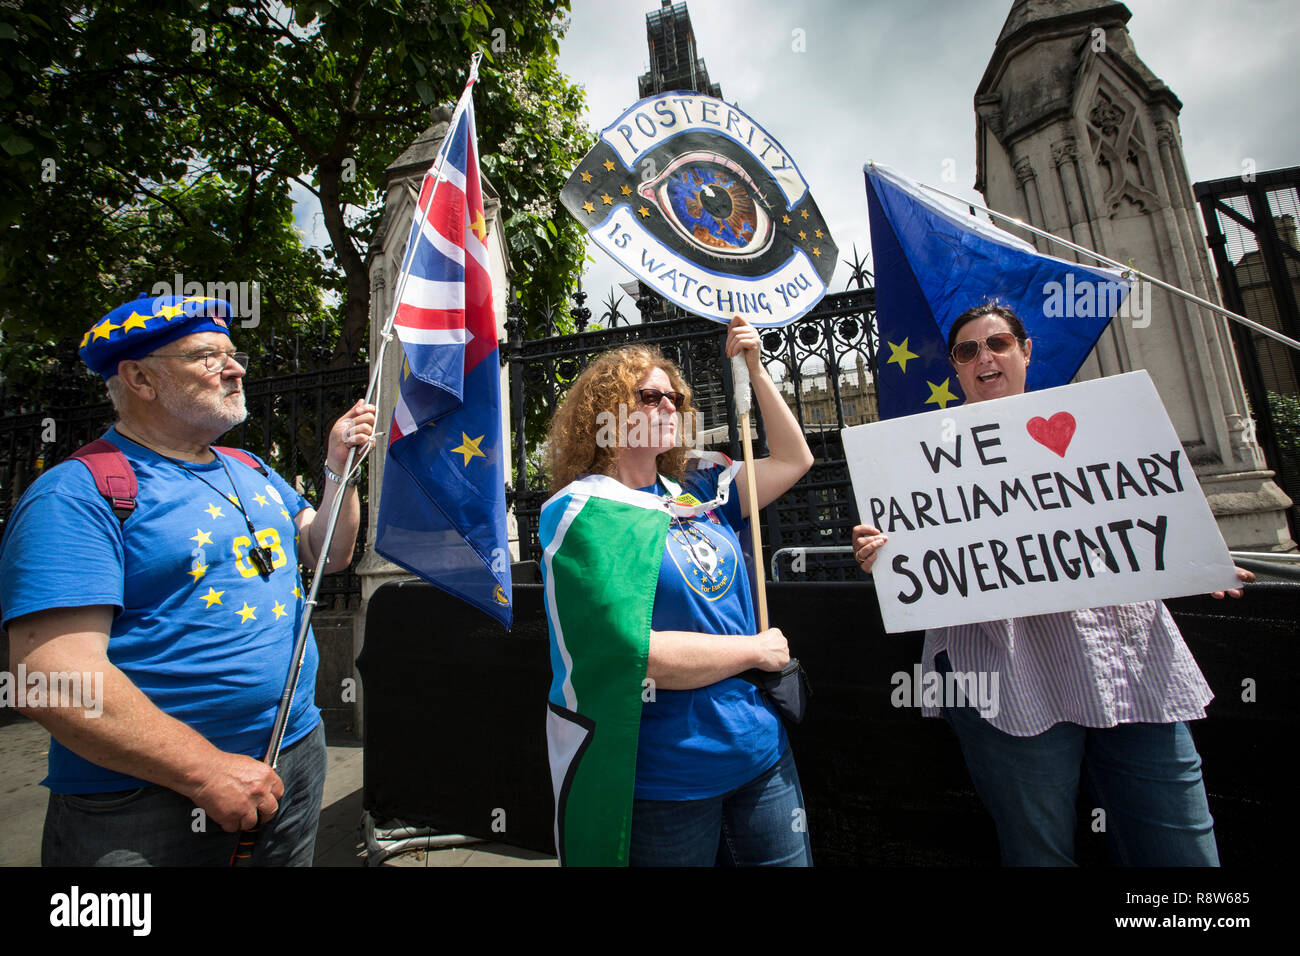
(243, 852)
(1204, 303)
(740, 384)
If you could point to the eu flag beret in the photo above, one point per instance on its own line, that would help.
(135, 329)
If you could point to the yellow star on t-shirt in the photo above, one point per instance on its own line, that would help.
(197, 571)
(817, 233)
(201, 538)
(804, 213)
(214, 511)
(469, 448)
(644, 212)
(625, 190)
(246, 613)
(589, 207)
(939, 394)
(279, 610)
(900, 354)
(607, 199)
(136, 321)
(261, 500)
(101, 331)
(608, 164)
(786, 220)
(586, 176)
(802, 235)
(212, 597)
(817, 252)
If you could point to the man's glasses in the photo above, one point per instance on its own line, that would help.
(213, 361)
(999, 343)
(651, 397)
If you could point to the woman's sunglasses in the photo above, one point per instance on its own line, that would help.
(999, 343)
(651, 397)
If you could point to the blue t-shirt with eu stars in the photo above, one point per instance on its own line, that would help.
(705, 742)
(196, 627)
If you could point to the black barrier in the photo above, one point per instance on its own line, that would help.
(454, 715)
(455, 725)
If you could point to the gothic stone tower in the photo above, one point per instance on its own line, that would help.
(1076, 136)
(674, 62)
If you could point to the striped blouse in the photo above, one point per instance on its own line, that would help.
(1097, 667)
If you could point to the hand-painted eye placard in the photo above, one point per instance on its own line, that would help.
(714, 204)
(696, 200)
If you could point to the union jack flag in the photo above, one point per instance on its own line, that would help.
(442, 512)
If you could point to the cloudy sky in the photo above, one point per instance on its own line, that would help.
(894, 81)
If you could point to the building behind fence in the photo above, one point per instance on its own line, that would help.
(1252, 233)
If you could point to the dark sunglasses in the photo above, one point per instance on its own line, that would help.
(651, 397)
(999, 343)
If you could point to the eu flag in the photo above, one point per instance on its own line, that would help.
(442, 514)
(932, 264)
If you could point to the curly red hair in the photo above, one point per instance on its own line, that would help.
(608, 382)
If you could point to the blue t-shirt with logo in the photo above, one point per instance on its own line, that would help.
(196, 627)
(705, 742)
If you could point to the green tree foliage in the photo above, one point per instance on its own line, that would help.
(141, 140)
(1285, 412)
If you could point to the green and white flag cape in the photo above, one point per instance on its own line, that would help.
(602, 545)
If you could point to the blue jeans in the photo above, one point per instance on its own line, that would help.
(154, 826)
(1146, 777)
(761, 823)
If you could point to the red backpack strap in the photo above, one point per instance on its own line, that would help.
(114, 477)
(243, 457)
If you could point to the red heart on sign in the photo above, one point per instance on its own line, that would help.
(1054, 433)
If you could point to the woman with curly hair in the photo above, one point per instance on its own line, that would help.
(660, 754)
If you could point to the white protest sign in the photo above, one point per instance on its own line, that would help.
(1066, 498)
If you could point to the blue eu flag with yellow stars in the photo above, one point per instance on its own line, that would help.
(932, 264)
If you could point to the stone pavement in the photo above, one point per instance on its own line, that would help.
(23, 746)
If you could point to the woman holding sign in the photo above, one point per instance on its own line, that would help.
(675, 761)
(1104, 693)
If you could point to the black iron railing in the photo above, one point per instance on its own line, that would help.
(289, 418)
(823, 363)
(1252, 227)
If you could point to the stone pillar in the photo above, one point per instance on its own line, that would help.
(384, 260)
(1074, 131)
(1027, 181)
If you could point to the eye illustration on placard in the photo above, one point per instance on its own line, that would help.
(700, 203)
(714, 204)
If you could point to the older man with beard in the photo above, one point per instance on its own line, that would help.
(184, 610)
